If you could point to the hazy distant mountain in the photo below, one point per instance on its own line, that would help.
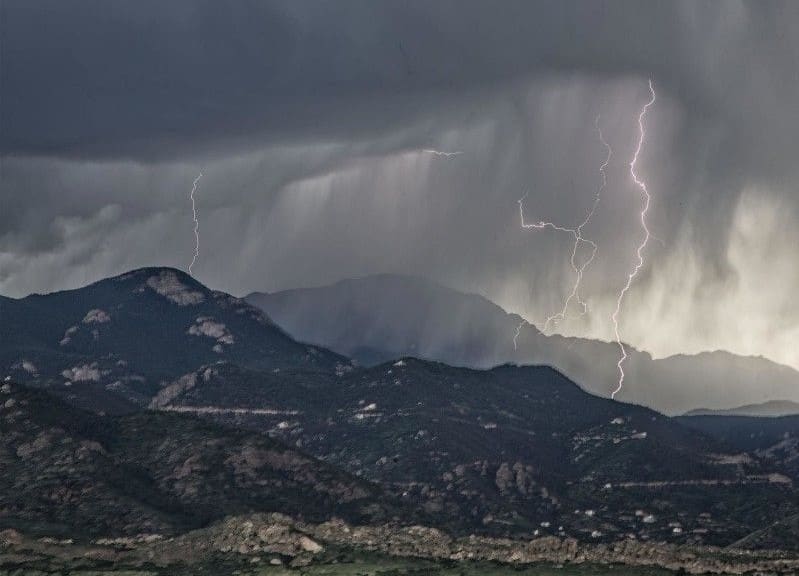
(381, 317)
(110, 346)
(378, 318)
(773, 408)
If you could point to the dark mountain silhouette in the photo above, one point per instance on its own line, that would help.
(502, 451)
(71, 472)
(111, 345)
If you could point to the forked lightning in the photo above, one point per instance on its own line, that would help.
(640, 251)
(579, 239)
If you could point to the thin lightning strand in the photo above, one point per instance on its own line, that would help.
(196, 223)
(578, 239)
(640, 251)
(440, 153)
(518, 331)
(577, 234)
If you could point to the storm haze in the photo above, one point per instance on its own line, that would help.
(312, 124)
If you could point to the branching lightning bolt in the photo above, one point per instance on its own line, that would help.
(640, 251)
(577, 234)
(196, 223)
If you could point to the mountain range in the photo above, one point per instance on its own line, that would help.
(377, 318)
(149, 402)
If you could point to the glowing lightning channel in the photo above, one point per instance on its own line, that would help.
(577, 234)
(518, 331)
(578, 239)
(196, 223)
(640, 251)
(440, 153)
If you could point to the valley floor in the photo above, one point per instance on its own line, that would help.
(345, 565)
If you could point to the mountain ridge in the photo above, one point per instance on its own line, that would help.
(770, 409)
(377, 318)
(114, 342)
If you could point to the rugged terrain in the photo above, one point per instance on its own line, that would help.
(111, 345)
(510, 451)
(149, 404)
(70, 473)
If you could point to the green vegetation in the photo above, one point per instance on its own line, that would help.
(378, 566)
(358, 566)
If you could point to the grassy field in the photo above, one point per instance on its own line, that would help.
(419, 568)
(361, 566)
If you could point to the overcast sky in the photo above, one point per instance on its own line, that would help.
(310, 121)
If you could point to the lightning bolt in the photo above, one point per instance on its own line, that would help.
(518, 331)
(579, 239)
(440, 153)
(196, 223)
(640, 251)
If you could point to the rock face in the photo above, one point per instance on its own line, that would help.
(275, 534)
(418, 541)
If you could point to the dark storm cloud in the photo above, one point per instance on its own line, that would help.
(303, 115)
(151, 79)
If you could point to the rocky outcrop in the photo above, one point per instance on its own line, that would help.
(279, 539)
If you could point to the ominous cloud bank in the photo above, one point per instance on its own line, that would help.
(309, 119)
